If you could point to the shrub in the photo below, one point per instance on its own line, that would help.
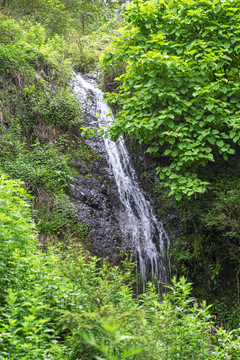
(179, 94)
(59, 304)
(16, 231)
(60, 220)
(30, 287)
(64, 110)
(39, 167)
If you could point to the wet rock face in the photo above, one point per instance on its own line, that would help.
(96, 201)
(108, 197)
(94, 193)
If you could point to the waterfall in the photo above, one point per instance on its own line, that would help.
(143, 234)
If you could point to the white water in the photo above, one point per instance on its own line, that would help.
(143, 233)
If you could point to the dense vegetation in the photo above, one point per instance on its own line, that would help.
(40, 118)
(177, 95)
(62, 305)
(179, 99)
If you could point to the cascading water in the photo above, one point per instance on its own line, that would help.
(143, 234)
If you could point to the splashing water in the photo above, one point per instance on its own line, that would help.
(143, 234)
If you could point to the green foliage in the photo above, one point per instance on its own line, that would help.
(177, 327)
(179, 94)
(16, 230)
(61, 16)
(61, 220)
(46, 174)
(30, 284)
(228, 311)
(27, 61)
(39, 167)
(205, 248)
(51, 13)
(34, 116)
(84, 50)
(113, 333)
(183, 318)
(226, 211)
(30, 336)
(103, 292)
(64, 110)
(65, 305)
(88, 12)
(22, 43)
(84, 59)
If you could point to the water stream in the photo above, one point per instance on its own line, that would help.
(143, 235)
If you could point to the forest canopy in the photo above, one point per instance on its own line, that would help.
(179, 94)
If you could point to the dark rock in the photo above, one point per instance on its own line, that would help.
(81, 168)
(97, 205)
(94, 193)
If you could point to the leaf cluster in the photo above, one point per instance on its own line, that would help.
(67, 305)
(179, 94)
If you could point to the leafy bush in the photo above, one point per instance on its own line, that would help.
(30, 287)
(34, 115)
(59, 305)
(84, 60)
(60, 220)
(177, 327)
(84, 51)
(28, 58)
(26, 46)
(64, 110)
(20, 58)
(39, 167)
(179, 94)
(48, 12)
(16, 231)
(62, 16)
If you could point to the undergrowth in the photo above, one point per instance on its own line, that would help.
(61, 304)
(40, 121)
